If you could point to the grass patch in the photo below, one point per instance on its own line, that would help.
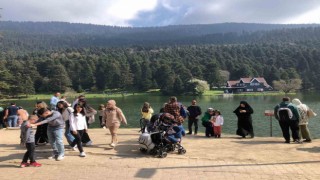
(212, 93)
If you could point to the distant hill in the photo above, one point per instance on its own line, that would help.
(52, 35)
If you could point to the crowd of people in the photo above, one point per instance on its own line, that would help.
(73, 120)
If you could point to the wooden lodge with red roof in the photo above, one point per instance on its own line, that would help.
(248, 85)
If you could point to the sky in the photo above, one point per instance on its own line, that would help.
(148, 13)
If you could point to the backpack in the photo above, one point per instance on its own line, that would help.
(284, 114)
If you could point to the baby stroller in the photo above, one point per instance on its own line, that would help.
(157, 139)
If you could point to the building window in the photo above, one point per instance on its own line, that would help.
(249, 90)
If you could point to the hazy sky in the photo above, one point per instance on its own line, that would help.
(162, 12)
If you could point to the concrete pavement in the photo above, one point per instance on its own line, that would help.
(207, 158)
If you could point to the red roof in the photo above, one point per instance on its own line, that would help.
(248, 80)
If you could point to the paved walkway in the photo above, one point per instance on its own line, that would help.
(206, 158)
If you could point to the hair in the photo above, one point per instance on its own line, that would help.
(101, 106)
(75, 112)
(65, 106)
(32, 117)
(286, 99)
(145, 107)
(13, 103)
(217, 111)
(173, 99)
(42, 111)
(42, 104)
(111, 101)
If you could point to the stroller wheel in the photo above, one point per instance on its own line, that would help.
(163, 155)
(182, 151)
(143, 150)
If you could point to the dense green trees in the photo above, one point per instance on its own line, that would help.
(169, 69)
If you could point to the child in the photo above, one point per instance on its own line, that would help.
(217, 124)
(146, 112)
(27, 140)
(101, 111)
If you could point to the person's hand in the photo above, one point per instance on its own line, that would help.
(74, 132)
(86, 130)
(33, 125)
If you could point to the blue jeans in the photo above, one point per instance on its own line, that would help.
(55, 135)
(68, 134)
(12, 121)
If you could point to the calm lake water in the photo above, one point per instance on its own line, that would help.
(131, 105)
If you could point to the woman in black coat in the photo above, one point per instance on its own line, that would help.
(243, 113)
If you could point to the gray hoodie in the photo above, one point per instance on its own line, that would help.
(26, 135)
(54, 120)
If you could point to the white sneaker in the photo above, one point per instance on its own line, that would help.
(112, 144)
(75, 148)
(52, 157)
(89, 143)
(82, 154)
(60, 158)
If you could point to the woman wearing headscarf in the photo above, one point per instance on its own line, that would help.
(112, 118)
(243, 113)
(206, 122)
(303, 122)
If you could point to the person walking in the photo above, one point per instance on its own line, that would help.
(193, 117)
(288, 116)
(66, 111)
(55, 131)
(243, 113)
(90, 118)
(78, 126)
(112, 118)
(304, 120)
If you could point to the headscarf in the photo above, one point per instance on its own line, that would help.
(299, 104)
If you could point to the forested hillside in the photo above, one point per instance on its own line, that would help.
(46, 57)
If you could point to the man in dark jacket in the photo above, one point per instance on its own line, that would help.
(288, 116)
(193, 118)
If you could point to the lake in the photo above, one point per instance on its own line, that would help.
(131, 105)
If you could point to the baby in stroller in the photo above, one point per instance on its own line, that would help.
(174, 136)
(164, 135)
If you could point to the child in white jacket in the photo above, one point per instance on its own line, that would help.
(217, 124)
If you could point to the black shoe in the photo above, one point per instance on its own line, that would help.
(287, 141)
(189, 133)
(307, 140)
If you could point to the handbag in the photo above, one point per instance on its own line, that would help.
(311, 113)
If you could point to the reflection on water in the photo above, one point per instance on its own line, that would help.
(226, 104)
